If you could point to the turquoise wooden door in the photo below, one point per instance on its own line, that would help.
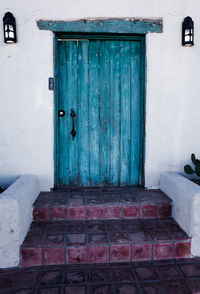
(101, 82)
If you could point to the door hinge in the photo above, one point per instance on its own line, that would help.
(51, 84)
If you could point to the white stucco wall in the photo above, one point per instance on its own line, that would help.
(173, 87)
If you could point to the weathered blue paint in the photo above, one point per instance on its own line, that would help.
(125, 111)
(94, 111)
(113, 26)
(101, 80)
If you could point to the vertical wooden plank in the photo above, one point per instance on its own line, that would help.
(71, 97)
(83, 115)
(62, 121)
(94, 111)
(125, 112)
(104, 112)
(135, 112)
(114, 112)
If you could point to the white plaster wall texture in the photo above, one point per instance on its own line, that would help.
(172, 100)
(16, 210)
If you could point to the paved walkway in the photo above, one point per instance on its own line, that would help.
(169, 276)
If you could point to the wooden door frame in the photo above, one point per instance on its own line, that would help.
(65, 36)
(117, 27)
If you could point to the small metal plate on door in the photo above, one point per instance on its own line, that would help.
(51, 84)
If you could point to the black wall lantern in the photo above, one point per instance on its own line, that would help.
(9, 27)
(188, 32)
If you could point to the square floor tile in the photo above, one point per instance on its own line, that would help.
(162, 251)
(58, 213)
(177, 286)
(75, 290)
(31, 256)
(41, 214)
(153, 224)
(159, 235)
(152, 287)
(77, 254)
(54, 240)
(123, 274)
(97, 289)
(140, 236)
(134, 225)
(194, 285)
(6, 281)
(115, 226)
(27, 278)
(146, 273)
(94, 199)
(182, 249)
(56, 228)
(120, 253)
(76, 239)
(51, 277)
(119, 238)
(112, 212)
(141, 252)
(168, 272)
(22, 291)
(76, 213)
(76, 199)
(130, 211)
(33, 240)
(49, 290)
(127, 198)
(59, 199)
(98, 254)
(110, 198)
(53, 256)
(164, 210)
(97, 238)
(76, 227)
(190, 270)
(95, 212)
(96, 227)
(78, 276)
(126, 289)
(99, 276)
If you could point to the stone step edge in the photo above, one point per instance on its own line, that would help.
(101, 212)
(135, 252)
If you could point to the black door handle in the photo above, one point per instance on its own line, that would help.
(73, 132)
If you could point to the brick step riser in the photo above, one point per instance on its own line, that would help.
(102, 254)
(102, 212)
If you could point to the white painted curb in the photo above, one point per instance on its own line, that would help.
(186, 205)
(16, 210)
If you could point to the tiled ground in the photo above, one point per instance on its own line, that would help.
(180, 276)
(101, 203)
(103, 241)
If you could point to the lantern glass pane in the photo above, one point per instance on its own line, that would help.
(187, 38)
(187, 31)
(11, 35)
(11, 28)
(6, 34)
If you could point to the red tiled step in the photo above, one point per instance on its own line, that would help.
(99, 204)
(50, 243)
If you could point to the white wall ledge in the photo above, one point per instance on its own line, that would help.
(186, 205)
(16, 207)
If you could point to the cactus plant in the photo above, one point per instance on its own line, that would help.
(190, 170)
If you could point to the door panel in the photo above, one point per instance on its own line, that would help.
(101, 81)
